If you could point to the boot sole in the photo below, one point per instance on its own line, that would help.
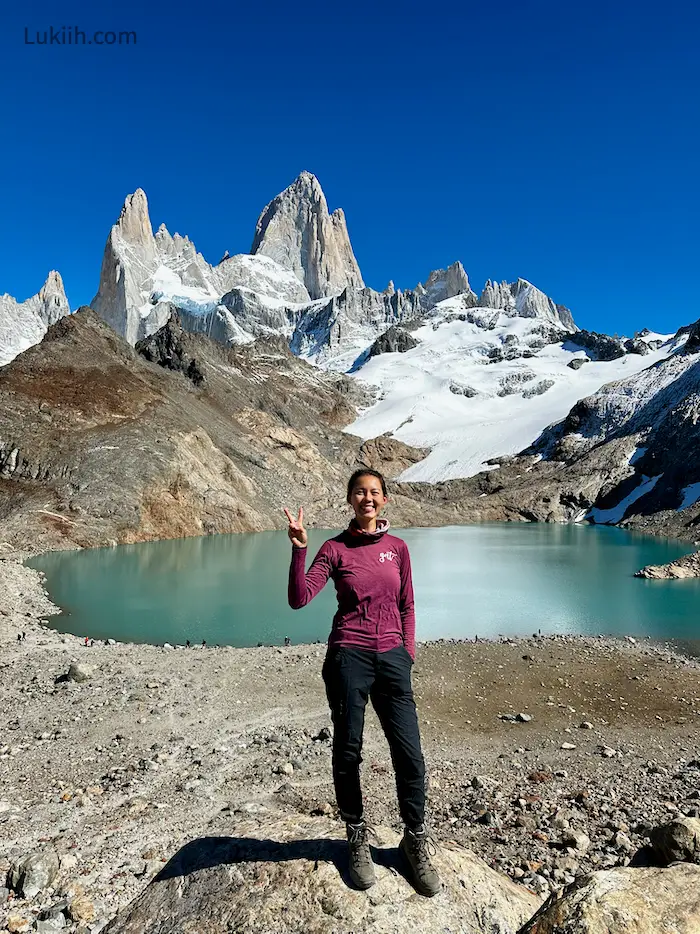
(362, 886)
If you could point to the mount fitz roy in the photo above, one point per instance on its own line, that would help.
(438, 382)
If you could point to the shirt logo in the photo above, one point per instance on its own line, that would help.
(387, 556)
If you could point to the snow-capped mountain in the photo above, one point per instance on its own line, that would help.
(482, 383)
(23, 324)
(301, 280)
(472, 376)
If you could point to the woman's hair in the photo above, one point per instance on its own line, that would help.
(365, 472)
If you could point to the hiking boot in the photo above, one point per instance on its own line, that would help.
(417, 848)
(361, 866)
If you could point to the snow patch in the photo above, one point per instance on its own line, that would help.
(691, 494)
(616, 514)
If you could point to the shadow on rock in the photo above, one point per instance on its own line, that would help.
(291, 875)
(209, 852)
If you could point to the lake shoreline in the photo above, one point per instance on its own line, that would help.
(159, 747)
(545, 577)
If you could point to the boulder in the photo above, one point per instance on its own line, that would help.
(624, 901)
(33, 873)
(677, 840)
(598, 346)
(80, 672)
(291, 876)
(393, 340)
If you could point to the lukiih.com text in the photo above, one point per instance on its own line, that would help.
(73, 35)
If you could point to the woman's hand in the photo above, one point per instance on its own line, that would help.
(296, 531)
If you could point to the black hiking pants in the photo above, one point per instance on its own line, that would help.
(351, 676)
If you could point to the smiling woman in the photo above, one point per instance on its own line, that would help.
(370, 654)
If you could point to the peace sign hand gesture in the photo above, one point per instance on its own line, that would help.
(296, 531)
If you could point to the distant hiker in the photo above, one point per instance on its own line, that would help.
(287, 641)
(19, 636)
(24, 636)
(86, 640)
(188, 644)
(204, 643)
(371, 649)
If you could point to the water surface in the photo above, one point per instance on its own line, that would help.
(485, 580)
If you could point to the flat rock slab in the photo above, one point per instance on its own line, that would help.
(625, 901)
(291, 876)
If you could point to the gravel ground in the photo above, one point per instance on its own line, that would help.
(546, 756)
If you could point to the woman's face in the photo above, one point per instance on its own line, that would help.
(367, 498)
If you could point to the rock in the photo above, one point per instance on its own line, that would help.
(568, 746)
(50, 921)
(393, 340)
(577, 363)
(598, 346)
(677, 840)
(622, 842)
(624, 901)
(586, 725)
(81, 910)
(538, 389)
(33, 873)
(80, 672)
(17, 923)
(636, 345)
(523, 717)
(577, 840)
(296, 870)
(461, 390)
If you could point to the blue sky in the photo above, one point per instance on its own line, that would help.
(553, 141)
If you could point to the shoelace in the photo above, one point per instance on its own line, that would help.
(358, 836)
(423, 843)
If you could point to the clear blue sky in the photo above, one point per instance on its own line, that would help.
(549, 140)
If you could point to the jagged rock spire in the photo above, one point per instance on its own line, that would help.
(130, 252)
(522, 299)
(446, 283)
(296, 230)
(23, 324)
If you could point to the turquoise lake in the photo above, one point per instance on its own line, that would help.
(485, 580)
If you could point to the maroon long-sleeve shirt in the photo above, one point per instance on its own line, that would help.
(372, 576)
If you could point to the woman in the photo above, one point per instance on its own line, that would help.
(371, 649)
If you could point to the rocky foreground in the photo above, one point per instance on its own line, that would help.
(548, 758)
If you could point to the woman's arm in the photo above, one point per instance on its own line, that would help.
(406, 604)
(304, 587)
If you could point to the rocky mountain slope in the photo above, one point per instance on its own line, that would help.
(465, 387)
(104, 443)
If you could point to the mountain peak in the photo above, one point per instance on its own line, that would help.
(134, 223)
(296, 230)
(446, 283)
(54, 283)
(524, 300)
